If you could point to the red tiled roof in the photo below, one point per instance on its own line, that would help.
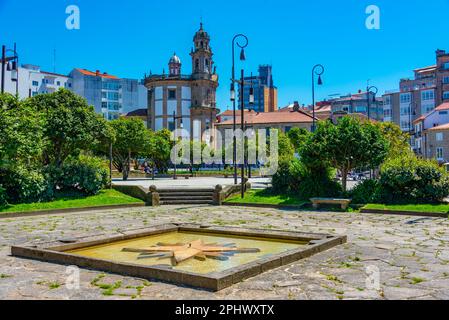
(441, 127)
(273, 118)
(444, 106)
(229, 113)
(421, 118)
(95, 74)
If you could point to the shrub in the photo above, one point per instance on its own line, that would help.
(23, 185)
(318, 182)
(409, 179)
(87, 175)
(293, 177)
(3, 201)
(364, 192)
(282, 179)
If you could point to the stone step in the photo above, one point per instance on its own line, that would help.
(189, 197)
(186, 194)
(185, 190)
(187, 201)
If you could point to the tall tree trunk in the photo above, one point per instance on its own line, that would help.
(344, 178)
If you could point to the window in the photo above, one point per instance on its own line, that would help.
(405, 111)
(406, 98)
(442, 113)
(439, 136)
(387, 99)
(428, 95)
(58, 83)
(439, 153)
(427, 108)
(35, 83)
(446, 66)
(171, 94)
(287, 129)
(446, 95)
(446, 80)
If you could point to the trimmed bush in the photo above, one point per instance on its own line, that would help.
(23, 185)
(410, 179)
(283, 180)
(86, 175)
(364, 192)
(318, 182)
(293, 177)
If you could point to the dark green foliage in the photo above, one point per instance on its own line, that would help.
(364, 192)
(298, 136)
(294, 177)
(410, 179)
(23, 185)
(3, 197)
(282, 180)
(70, 125)
(85, 175)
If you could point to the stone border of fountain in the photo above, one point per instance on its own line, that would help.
(214, 281)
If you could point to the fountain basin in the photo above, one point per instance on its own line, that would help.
(207, 257)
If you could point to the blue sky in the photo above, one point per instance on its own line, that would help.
(129, 38)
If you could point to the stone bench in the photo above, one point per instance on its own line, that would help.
(344, 203)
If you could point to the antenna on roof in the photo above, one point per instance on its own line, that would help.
(54, 60)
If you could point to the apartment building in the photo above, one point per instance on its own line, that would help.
(109, 95)
(418, 96)
(357, 104)
(32, 81)
(431, 138)
(265, 93)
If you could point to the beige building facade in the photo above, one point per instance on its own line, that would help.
(178, 101)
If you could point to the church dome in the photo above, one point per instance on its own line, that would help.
(201, 34)
(175, 59)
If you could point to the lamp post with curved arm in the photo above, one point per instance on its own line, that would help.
(316, 70)
(242, 46)
(368, 91)
(14, 68)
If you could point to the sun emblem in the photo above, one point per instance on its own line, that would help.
(197, 249)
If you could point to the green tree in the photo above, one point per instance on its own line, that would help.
(131, 139)
(70, 125)
(350, 144)
(157, 149)
(397, 139)
(20, 133)
(297, 137)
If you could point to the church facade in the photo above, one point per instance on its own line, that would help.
(177, 100)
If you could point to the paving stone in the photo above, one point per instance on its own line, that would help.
(401, 251)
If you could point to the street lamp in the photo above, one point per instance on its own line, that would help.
(368, 91)
(233, 95)
(175, 117)
(11, 64)
(316, 70)
(410, 114)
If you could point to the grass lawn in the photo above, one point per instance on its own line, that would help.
(265, 197)
(104, 198)
(439, 208)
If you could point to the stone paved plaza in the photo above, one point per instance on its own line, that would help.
(411, 253)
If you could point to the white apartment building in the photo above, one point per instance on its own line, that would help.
(109, 95)
(32, 81)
